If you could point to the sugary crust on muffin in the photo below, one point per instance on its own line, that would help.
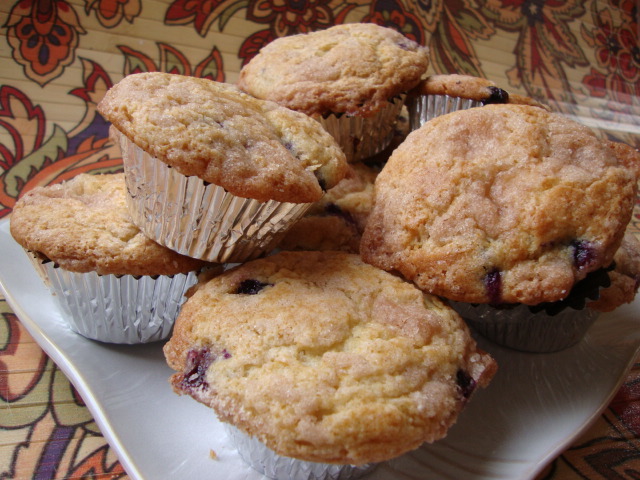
(625, 277)
(252, 148)
(499, 204)
(351, 68)
(322, 232)
(337, 221)
(462, 86)
(83, 225)
(329, 360)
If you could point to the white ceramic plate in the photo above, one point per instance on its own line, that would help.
(536, 405)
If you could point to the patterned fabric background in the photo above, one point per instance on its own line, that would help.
(58, 58)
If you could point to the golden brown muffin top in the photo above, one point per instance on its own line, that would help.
(83, 225)
(500, 204)
(252, 148)
(325, 358)
(352, 68)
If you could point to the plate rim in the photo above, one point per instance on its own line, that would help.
(96, 408)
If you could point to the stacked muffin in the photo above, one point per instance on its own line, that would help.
(333, 346)
(112, 283)
(352, 78)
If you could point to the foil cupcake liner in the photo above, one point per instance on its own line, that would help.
(277, 467)
(122, 309)
(422, 108)
(520, 328)
(198, 219)
(363, 137)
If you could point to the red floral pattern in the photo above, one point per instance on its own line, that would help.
(545, 43)
(616, 77)
(43, 35)
(287, 18)
(111, 12)
(545, 58)
(202, 13)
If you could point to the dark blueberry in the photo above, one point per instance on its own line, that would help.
(493, 286)
(466, 383)
(333, 209)
(321, 181)
(407, 45)
(197, 363)
(584, 253)
(586, 289)
(250, 287)
(497, 95)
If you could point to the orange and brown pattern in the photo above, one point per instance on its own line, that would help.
(59, 57)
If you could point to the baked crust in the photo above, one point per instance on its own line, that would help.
(83, 225)
(326, 358)
(500, 204)
(252, 148)
(351, 68)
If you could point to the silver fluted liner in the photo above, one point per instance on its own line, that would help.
(117, 309)
(521, 329)
(197, 219)
(422, 108)
(363, 137)
(277, 467)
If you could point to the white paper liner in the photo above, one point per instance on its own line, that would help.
(521, 329)
(197, 219)
(277, 467)
(363, 137)
(123, 309)
(422, 108)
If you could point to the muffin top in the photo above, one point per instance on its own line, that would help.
(351, 68)
(625, 277)
(324, 358)
(83, 225)
(252, 148)
(512, 204)
(463, 86)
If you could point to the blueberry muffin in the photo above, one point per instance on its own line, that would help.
(324, 358)
(511, 205)
(337, 221)
(80, 235)
(351, 77)
(441, 94)
(212, 172)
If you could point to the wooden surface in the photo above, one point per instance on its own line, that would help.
(57, 58)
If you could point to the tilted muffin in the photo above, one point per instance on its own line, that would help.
(212, 172)
(337, 221)
(441, 94)
(324, 358)
(512, 204)
(83, 241)
(351, 77)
